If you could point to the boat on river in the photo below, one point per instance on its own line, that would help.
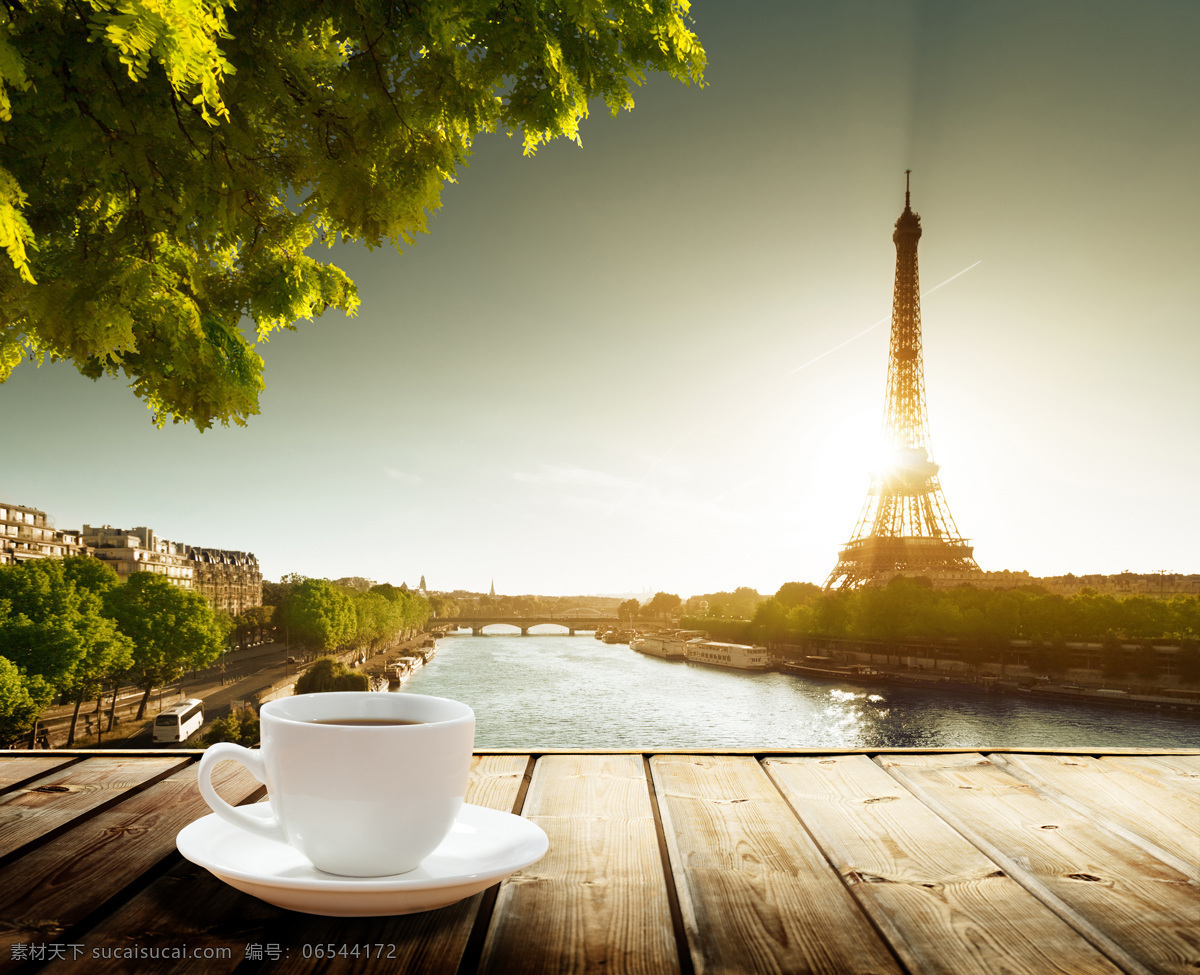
(822, 667)
(669, 645)
(736, 655)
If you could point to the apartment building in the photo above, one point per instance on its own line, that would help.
(29, 533)
(231, 581)
(130, 550)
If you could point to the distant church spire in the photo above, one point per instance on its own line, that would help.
(492, 591)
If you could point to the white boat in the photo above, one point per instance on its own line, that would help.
(736, 655)
(668, 645)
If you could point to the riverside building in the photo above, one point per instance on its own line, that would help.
(139, 550)
(231, 581)
(29, 533)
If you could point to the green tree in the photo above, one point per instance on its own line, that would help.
(109, 652)
(239, 726)
(830, 615)
(276, 593)
(55, 626)
(318, 614)
(328, 674)
(628, 610)
(771, 622)
(662, 604)
(409, 612)
(793, 594)
(167, 167)
(443, 607)
(22, 698)
(886, 613)
(377, 620)
(173, 630)
(257, 620)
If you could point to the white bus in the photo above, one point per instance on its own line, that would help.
(179, 721)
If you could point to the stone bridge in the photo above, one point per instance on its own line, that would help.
(572, 623)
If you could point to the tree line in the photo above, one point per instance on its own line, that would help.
(661, 605)
(322, 616)
(70, 629)
(977, 620)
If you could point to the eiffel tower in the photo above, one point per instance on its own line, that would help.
(905, 527)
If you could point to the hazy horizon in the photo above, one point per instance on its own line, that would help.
(633, 366)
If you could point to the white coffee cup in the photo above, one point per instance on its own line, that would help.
(357, 799)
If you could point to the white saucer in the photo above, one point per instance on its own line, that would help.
(483, 847)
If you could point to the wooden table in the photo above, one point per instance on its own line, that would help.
(1001, 861)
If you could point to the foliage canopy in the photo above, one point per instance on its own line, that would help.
(54, 636)
(166, 167)
(327, 675)
(172, 629)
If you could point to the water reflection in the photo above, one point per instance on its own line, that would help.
(576, 692)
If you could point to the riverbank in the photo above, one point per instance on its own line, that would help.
(860, 667)
(1184, 702)
(925, 674)
(246, 678)
(567, 692)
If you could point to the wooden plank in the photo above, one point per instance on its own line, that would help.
(942, 905)
(1137, 910)
(17, 770)
(431, 943)
(125, 752)
(1181, 772)
(187, 905)
(755, 892)
(597, 902)
(916, 750)
(538, 752)
(49, 802)
(50, 889)
(1165, 822)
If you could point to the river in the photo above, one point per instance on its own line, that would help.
(557, 691)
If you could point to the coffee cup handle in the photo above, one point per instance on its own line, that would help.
(227, 751)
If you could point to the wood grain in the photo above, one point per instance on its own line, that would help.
(755, 892)
(1179, 773)
(944, 907)
(759, 752)
(187, 905)
(597, 902)
(45, 804)
(431, 943)
(1163, 821)
(17, 770)
(50, 889)
(1137, 910)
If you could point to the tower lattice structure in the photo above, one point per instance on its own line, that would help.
(905, 527)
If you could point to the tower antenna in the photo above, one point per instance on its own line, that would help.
(906, 174)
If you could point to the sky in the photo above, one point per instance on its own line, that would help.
(631, 365)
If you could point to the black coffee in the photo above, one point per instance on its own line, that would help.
(366, 722)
